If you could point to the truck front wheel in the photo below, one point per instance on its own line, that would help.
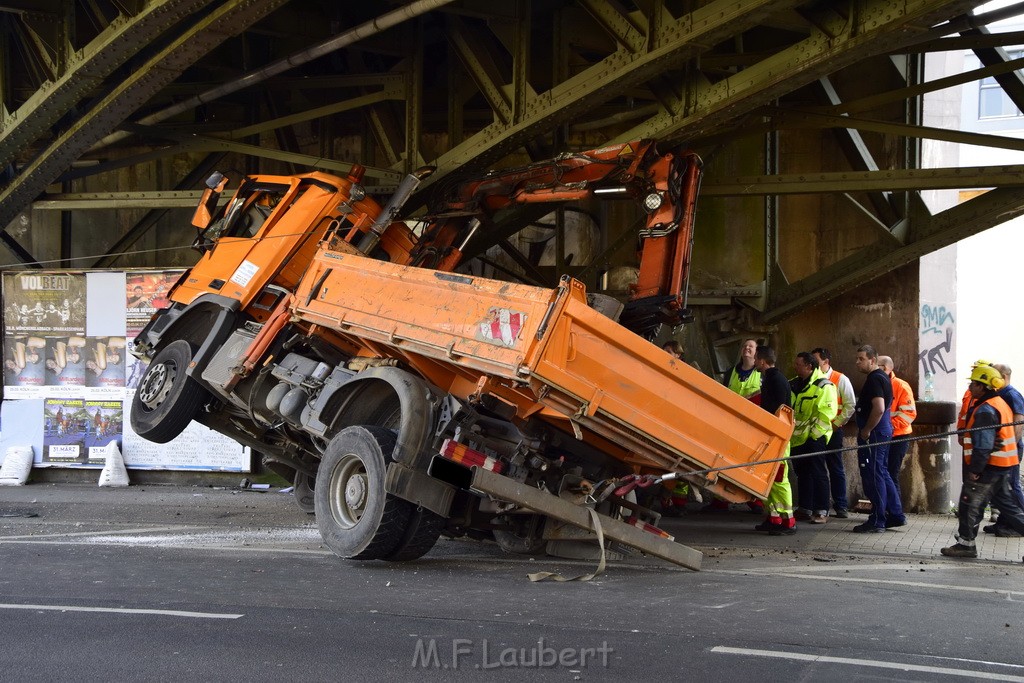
(358, 519)
(167, 399)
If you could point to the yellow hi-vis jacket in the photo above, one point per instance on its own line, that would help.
(745, 388)
(814, 409)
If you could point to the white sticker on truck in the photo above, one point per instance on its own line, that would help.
(244, 273)
(502, 326)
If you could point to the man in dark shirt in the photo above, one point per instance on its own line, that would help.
(873, 436)
(774, 394)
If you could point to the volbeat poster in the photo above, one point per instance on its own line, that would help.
(44, 304)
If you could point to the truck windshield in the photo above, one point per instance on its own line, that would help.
(248, 210)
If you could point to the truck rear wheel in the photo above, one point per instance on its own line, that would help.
(421, 535)
(358, 519)
(167, 399)
(303, 486)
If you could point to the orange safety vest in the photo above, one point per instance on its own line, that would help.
(834, 376)
(1004, 454)
(903, 410)
(965, 407)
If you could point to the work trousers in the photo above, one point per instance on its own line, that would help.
(811, 476)
(779, 503)
(873, 461)
(837, 470)
(897, 452)
(993, 486)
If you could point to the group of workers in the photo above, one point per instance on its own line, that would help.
(823, 401)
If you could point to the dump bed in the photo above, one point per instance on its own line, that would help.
(551, 355)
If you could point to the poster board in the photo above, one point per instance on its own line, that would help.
(69, 380)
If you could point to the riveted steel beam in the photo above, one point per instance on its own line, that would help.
(858, 154)
(793, 118)
(474, 53)
(189, 142)
(687, 37)
(195, 177)
(87, 68)
(953, 178)
(392, 92)
(928, 234)
(48, 33)
(967, 42)
(881, 99)
(872, 27)
(118, 200)
(230, 17)
(1011, 82)
(618, 26)
(414, 103)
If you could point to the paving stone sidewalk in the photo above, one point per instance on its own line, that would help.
(922, 537)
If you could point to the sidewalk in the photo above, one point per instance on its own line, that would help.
(921, 538)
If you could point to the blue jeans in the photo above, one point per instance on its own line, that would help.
(897, 452)
(836, 470)
(873, 460)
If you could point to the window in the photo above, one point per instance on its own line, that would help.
(992, 101)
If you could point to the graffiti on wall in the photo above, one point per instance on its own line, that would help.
(936, 345)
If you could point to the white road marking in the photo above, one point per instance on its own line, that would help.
(885, 582)
(183, 546)
(124, 610)
(799, 656)
(815, 568)
(73, 534)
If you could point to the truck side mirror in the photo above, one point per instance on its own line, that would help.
(215, 184)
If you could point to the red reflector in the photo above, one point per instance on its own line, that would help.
(457, 452)
(649, 528)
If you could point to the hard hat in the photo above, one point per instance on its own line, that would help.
(980, 362)
(987, 375)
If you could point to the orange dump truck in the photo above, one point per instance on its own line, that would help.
(407, 400)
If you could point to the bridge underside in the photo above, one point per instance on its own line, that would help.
(124, 107)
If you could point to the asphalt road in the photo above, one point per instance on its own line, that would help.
(177, 584)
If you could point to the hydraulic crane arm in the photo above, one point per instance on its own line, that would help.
(665, 186)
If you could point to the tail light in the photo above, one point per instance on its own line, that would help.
(457, 452)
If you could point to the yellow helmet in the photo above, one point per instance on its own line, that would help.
(987, 375)
(980, 362)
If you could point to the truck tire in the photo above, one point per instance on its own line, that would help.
(424, 529)
(303, 487)
(358, 519)
(167, 399)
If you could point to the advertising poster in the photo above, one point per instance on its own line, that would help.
(104, 423)
(65, 361)
(24, 366)
(145, 293)
(105, 363)
(64, 425)
(68, 376)
(44, 304)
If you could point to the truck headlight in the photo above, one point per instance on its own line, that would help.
(653, 202)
